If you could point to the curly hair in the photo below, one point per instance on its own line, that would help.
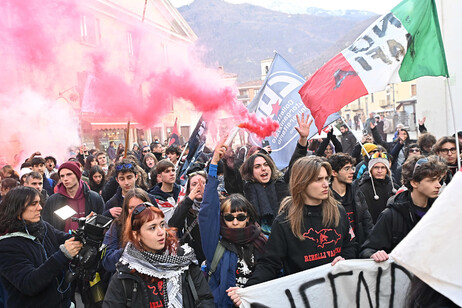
(339, 160)
(419, 167)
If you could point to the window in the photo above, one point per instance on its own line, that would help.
(372, 97)
(89, 30)
(413, 90)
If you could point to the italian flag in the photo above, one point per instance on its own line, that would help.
(400, 46)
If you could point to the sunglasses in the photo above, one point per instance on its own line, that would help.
(139, 209)
(146, 151)
(231, 217)
(414, 150)
(124, 166)
(419, 163)
(379, 155)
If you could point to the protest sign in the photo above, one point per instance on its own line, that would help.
(350, 283)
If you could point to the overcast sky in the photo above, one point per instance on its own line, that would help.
(376, 6)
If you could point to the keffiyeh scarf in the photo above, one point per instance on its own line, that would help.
(162, 266)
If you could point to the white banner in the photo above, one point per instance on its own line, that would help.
(432, 249)
(350, 283)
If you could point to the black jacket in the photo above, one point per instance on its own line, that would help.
(117, 201)
(384, 189)
(157, 192)
(31, 271)
(348, 141)
(362, 220)
(93, 203)
(182, 219)
(320, 246)
(115, 294)
(110, 188)
(393, 224)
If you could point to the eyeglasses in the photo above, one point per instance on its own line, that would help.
(146, 151)
(124, 166)
(231, 217)
(446, 151)
(139, 209)
(348, 168)
(419, 163)
(414, 150)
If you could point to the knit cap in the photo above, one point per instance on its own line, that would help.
(369, 147)
(73, 166)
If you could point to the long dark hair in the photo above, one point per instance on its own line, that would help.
(93, 185)
(12, 207)
(247, 167)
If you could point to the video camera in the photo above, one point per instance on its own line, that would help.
(91, 234)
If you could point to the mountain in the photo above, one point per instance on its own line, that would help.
(239, 36)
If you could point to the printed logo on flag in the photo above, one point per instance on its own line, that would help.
(279, 99)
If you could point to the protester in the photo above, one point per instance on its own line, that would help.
(348, 140)
(35, 180)
(173, 153)
(311, 230)
(97, 179)
(111, 151)
(149, 162)
(113, 237)
(156, 149)
(421, 177)
(167, 191)
(264, 187)
(7, 185)
(154, 271)
(102, 161)
(376, 184)
(38, 165)
(126, 176)
(33, 254)
(349, 195)
(231, 240)
(426, 142)
(90, 161)
(74, 192)
(50, 166)
(445, 147)
(185, 218)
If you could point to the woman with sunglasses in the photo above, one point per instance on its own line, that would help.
(113, 237)
(34, 256)
(231, 229)
(311, 230)
(154, 270)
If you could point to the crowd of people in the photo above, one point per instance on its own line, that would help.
(190, 237)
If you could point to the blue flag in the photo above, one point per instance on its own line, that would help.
(278, 98)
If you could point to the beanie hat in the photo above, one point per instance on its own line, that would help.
(375, 159)
(24, 171)
(369, 147)
(73, 166)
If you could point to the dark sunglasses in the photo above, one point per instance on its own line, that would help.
(231, 217)
(414, 150)
(139, 209)
(419, 163)
(124, 166)
(146, 151)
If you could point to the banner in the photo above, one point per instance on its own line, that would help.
(432, 249)
(278, 98)
(350, 283)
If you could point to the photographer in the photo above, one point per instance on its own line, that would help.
(33, 254)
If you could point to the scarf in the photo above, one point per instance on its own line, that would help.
(162, 266)
(246, 238)
(264, 199)
(196, 205)
(36, 229)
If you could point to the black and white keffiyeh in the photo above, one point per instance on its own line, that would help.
(162, 266)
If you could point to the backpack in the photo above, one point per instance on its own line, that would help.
(219, 251)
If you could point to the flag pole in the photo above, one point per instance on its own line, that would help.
(454, 123)
(126, 139)
(365, 151)
(181, 156)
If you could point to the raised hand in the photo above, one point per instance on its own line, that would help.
(303, 128)
(220, 151)
(422, 121)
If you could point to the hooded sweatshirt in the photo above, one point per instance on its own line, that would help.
(77, 203)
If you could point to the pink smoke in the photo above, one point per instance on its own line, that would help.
(262, 127)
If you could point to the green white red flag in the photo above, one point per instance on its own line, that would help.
(400, 46)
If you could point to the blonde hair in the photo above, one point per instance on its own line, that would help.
(305, 171)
